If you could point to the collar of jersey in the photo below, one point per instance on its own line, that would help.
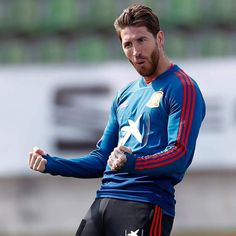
(161, 76)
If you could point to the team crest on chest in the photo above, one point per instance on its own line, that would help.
(155, 99)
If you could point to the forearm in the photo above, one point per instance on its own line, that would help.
(171, 160)
(90, 166)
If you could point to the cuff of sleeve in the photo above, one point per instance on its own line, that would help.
(49, 160)
(130, 163)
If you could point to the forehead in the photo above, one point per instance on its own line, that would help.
(134, 32)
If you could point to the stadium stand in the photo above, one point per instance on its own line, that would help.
(41, 31)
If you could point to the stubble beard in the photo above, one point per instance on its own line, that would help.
(153, 62)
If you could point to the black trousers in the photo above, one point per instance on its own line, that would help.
(112, 217)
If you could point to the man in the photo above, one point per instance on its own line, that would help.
(148, 142)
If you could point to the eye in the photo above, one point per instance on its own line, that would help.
(141, 40)
(127, 45)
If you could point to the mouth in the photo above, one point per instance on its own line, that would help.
(140, 62)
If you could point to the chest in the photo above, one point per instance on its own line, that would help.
(147, 105)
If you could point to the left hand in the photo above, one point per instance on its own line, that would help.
(36, 160)
(117, 159)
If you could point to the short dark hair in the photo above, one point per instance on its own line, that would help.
(137, 15)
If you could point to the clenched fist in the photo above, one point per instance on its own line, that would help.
(117, 159)
(36, 161)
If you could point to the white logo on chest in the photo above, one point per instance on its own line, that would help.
(133, 233)
(131, 129)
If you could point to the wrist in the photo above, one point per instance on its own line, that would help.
(130, 163)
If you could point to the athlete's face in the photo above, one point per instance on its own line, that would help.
(142, 49)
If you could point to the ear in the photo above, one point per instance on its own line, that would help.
(160, 38)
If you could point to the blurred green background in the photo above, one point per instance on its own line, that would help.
(58, 31)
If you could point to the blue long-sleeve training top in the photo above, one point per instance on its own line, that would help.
(160, 122)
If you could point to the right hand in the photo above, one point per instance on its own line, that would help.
(36, 160)
(117, 159)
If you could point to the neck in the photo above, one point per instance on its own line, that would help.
(163, 65)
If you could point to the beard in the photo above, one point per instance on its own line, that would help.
(150, 66)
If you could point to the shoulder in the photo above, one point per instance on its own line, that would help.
(181, 81)
(182, 87)
(125, 92)
(128, 87)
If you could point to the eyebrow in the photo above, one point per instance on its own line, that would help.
(140, 37)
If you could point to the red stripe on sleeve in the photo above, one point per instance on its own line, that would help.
(193, 99)
(179, 150)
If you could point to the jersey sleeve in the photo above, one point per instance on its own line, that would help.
(186, 112)
(93, 164)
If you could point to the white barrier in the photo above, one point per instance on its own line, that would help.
(63, 109)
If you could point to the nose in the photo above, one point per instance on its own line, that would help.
(136, 51)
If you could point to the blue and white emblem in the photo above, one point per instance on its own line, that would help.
(131, 129)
